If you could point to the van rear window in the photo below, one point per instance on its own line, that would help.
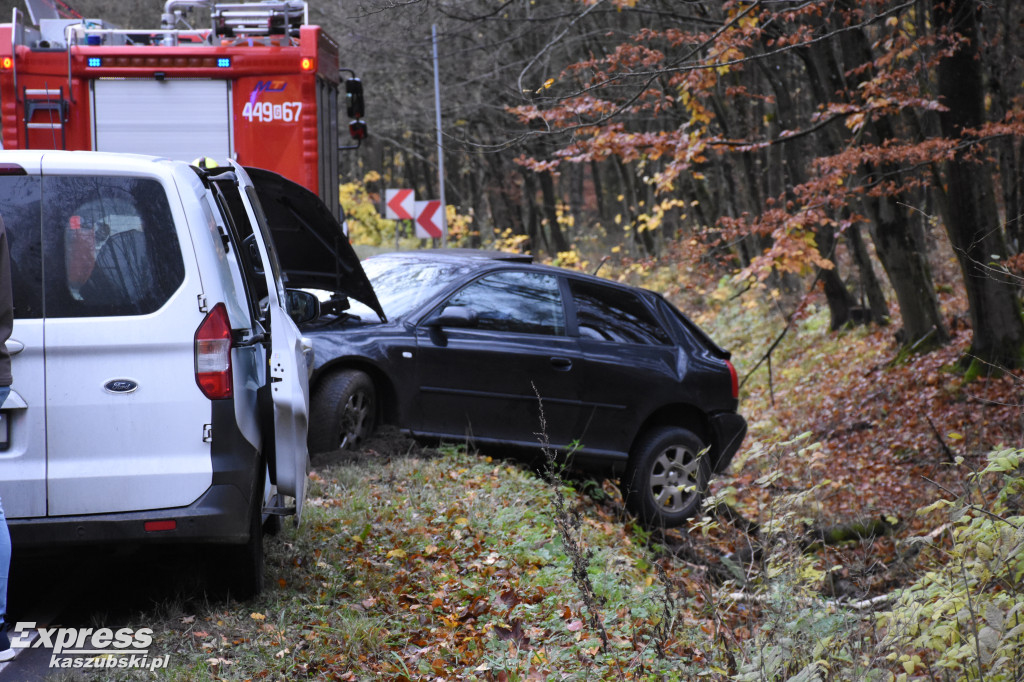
(110, 246)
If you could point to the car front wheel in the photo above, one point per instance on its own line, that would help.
(343, 412)
(667, 477)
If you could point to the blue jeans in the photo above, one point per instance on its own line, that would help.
(5, 540)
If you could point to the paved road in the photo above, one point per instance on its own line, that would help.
(100, 588)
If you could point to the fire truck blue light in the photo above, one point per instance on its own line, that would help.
(95, 61)
(224, 62)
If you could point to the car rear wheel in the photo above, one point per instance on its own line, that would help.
(343, 412)
(667, 477)
(237, 570)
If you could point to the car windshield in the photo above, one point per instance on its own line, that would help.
(402, 284)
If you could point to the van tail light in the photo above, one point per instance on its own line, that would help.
(213, 354)
(156, 526)
(735, 380)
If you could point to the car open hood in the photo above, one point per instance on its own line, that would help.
(313, 249)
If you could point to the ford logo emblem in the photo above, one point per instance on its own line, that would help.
(120, 386)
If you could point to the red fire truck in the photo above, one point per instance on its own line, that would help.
(260, 86)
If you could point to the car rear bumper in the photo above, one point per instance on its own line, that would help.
(221, 515)
(730, 429)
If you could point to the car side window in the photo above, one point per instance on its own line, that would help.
(19, 208)
(110, 246)
(515, 301)
(606, 313)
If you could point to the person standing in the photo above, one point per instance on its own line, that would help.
(6, 326)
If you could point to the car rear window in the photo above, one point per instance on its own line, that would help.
(687, 329)
(605, 313)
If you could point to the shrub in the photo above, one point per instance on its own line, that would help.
(965, 617)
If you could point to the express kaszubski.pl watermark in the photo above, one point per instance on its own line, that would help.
(91, 647)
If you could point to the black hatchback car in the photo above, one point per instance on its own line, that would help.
(490, 348)
(483, 347)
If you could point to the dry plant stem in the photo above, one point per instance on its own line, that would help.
(569, 527)
(950, 456)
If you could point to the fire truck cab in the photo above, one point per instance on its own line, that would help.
(260, 86)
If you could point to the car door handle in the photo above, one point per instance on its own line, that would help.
(563, 364)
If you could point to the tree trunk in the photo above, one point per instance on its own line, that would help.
(973, 224)
(870, 285)
(899, 250)
(905, 263)
(533, 227)
(556, 238)
(600, 202)
(840, 302)
(629, 198)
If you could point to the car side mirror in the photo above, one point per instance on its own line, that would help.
(455, 316)
(302, 306)
(336, 305)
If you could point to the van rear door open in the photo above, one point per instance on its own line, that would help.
(22, 451)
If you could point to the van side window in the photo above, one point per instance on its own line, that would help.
(110, 246)
(19, 208)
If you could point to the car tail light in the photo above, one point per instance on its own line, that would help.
(735, 380)
(213, 354)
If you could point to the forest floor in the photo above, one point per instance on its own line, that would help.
(883, 435)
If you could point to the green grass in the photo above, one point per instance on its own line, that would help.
(446, 566)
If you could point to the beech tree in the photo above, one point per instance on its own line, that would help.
(972, 220)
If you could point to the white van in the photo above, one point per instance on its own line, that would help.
(160, 387)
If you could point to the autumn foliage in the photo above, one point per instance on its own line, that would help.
(787, 129)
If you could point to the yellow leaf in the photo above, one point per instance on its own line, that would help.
(956, 436)
(257, 616)
(548, 83)
(462, 521)
(396, 554)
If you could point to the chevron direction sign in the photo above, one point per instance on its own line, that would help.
(398, 204)
(429, 219)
